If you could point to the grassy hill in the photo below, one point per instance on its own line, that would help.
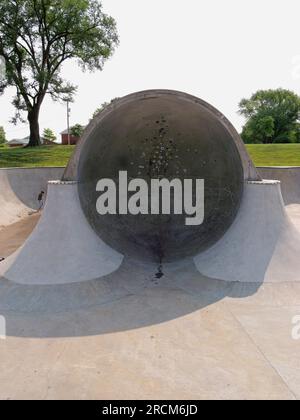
(275, 154)
(35, 157)
(262, 155)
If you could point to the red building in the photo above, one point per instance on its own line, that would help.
(65, 138)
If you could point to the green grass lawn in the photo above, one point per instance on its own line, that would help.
(35, 157)
(275, 154)
(262, 155)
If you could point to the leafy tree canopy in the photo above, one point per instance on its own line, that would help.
(76, 130)
(272, 117)
(49, 135)
(102, 106)
(38, 36)
(2, 136)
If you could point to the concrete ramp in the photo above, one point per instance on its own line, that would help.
(290, 187)
(63, 248)
(262, 245)
(19, 188)
(246, 234)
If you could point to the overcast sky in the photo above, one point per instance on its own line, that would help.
(217, 50)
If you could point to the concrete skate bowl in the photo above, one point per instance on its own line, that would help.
(79, 266)
(107, 275)
(19, 189)
(161, 135)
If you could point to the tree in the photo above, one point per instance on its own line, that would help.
(49, 135)
(2, 136)
(76, 130)
(38, 36)
(104, 105)
(272, 117)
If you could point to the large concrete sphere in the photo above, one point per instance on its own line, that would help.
(162, 136)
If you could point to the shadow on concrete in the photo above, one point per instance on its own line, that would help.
(128, 299)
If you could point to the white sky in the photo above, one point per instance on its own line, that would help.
(217, 50)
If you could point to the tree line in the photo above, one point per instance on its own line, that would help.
(272, 116)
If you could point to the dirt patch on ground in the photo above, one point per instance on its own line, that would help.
(13, 236)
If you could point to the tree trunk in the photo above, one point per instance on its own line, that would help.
(33, 119)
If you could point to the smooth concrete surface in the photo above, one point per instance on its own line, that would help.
(129, 335)
(262, 245)
(289, 176)
(13, 236)
(181, 337)
(19, 190)
(11, 208)
(63, 248)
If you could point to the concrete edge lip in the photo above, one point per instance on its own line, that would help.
(59, 182)
(264, 182)
(31, 168)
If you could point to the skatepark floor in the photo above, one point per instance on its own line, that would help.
(184, 336)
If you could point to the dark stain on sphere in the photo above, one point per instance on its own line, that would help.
(162, 137)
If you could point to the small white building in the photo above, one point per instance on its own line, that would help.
(23, 142)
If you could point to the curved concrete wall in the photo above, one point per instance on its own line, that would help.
(262, 245)
(289, 178)
(63, 246)
(26, 184)
(19, 189)
(250, 172)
